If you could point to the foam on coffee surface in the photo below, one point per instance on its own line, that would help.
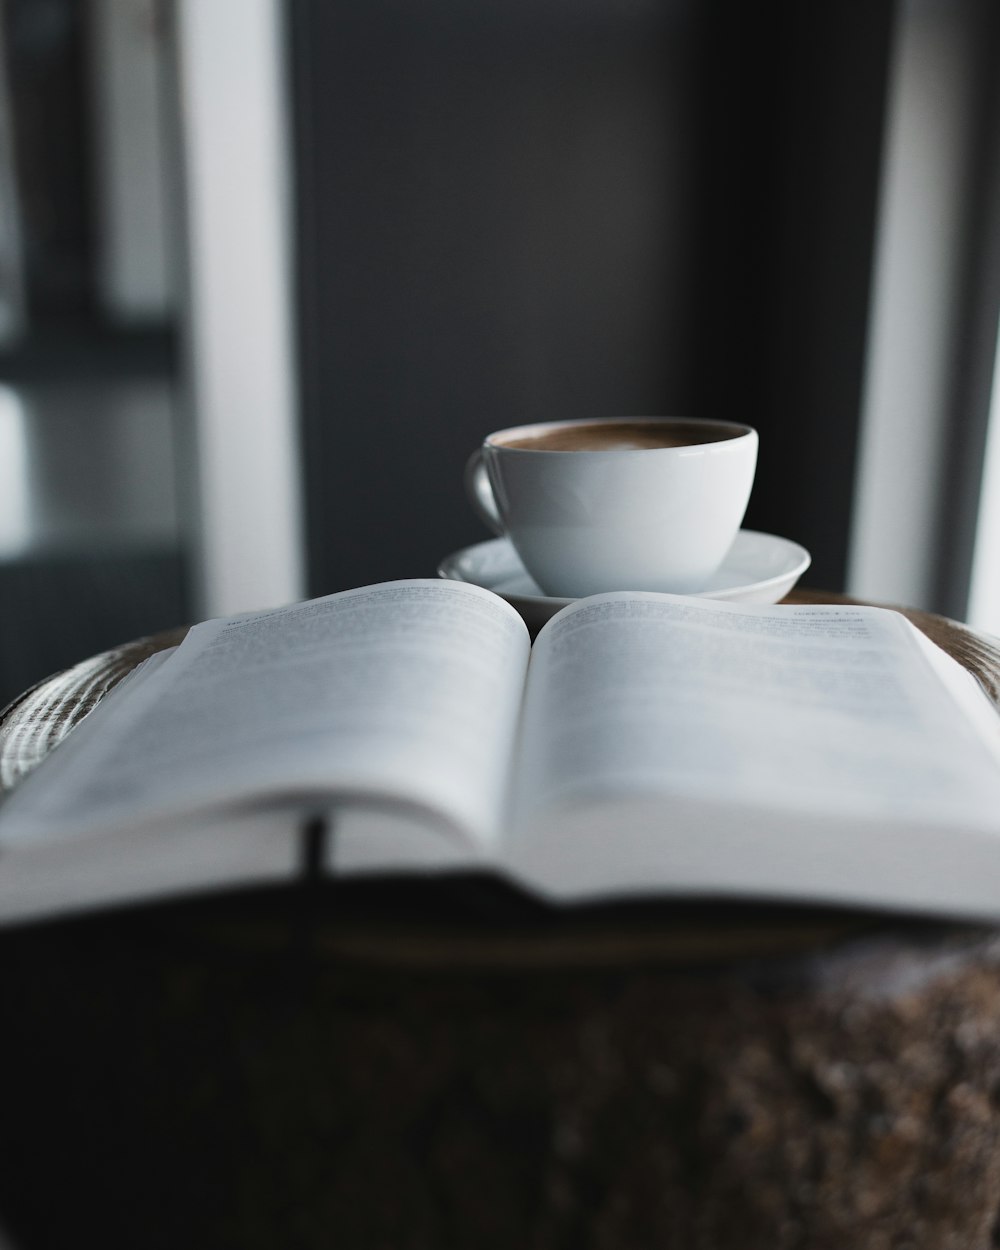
(621, 436)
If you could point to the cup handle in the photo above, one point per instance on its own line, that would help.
(480, 493)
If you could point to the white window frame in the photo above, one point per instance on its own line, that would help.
(242, 453)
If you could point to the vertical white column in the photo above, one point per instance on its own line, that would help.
(235, 142)
(984, 584)
(134, 190)
(896, 526)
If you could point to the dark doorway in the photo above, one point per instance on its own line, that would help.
(515, 211)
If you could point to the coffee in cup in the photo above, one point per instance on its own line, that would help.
(616, 503)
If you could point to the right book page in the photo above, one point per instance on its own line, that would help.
(813, 752)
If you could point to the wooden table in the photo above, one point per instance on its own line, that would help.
(391, 1065)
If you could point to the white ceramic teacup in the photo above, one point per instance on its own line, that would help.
(616, 503)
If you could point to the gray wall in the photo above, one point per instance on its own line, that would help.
(513, 211)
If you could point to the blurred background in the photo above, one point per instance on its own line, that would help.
(269, 271)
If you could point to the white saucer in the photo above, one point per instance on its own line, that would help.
(760, 568)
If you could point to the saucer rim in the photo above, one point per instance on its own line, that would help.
(725, 594)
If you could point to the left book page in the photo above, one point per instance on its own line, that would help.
(404, 694)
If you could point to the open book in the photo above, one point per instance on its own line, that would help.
(645, 745)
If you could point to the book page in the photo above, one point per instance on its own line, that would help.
(404, 692)
(705, 719)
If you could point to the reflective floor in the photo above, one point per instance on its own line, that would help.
(90, 545)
